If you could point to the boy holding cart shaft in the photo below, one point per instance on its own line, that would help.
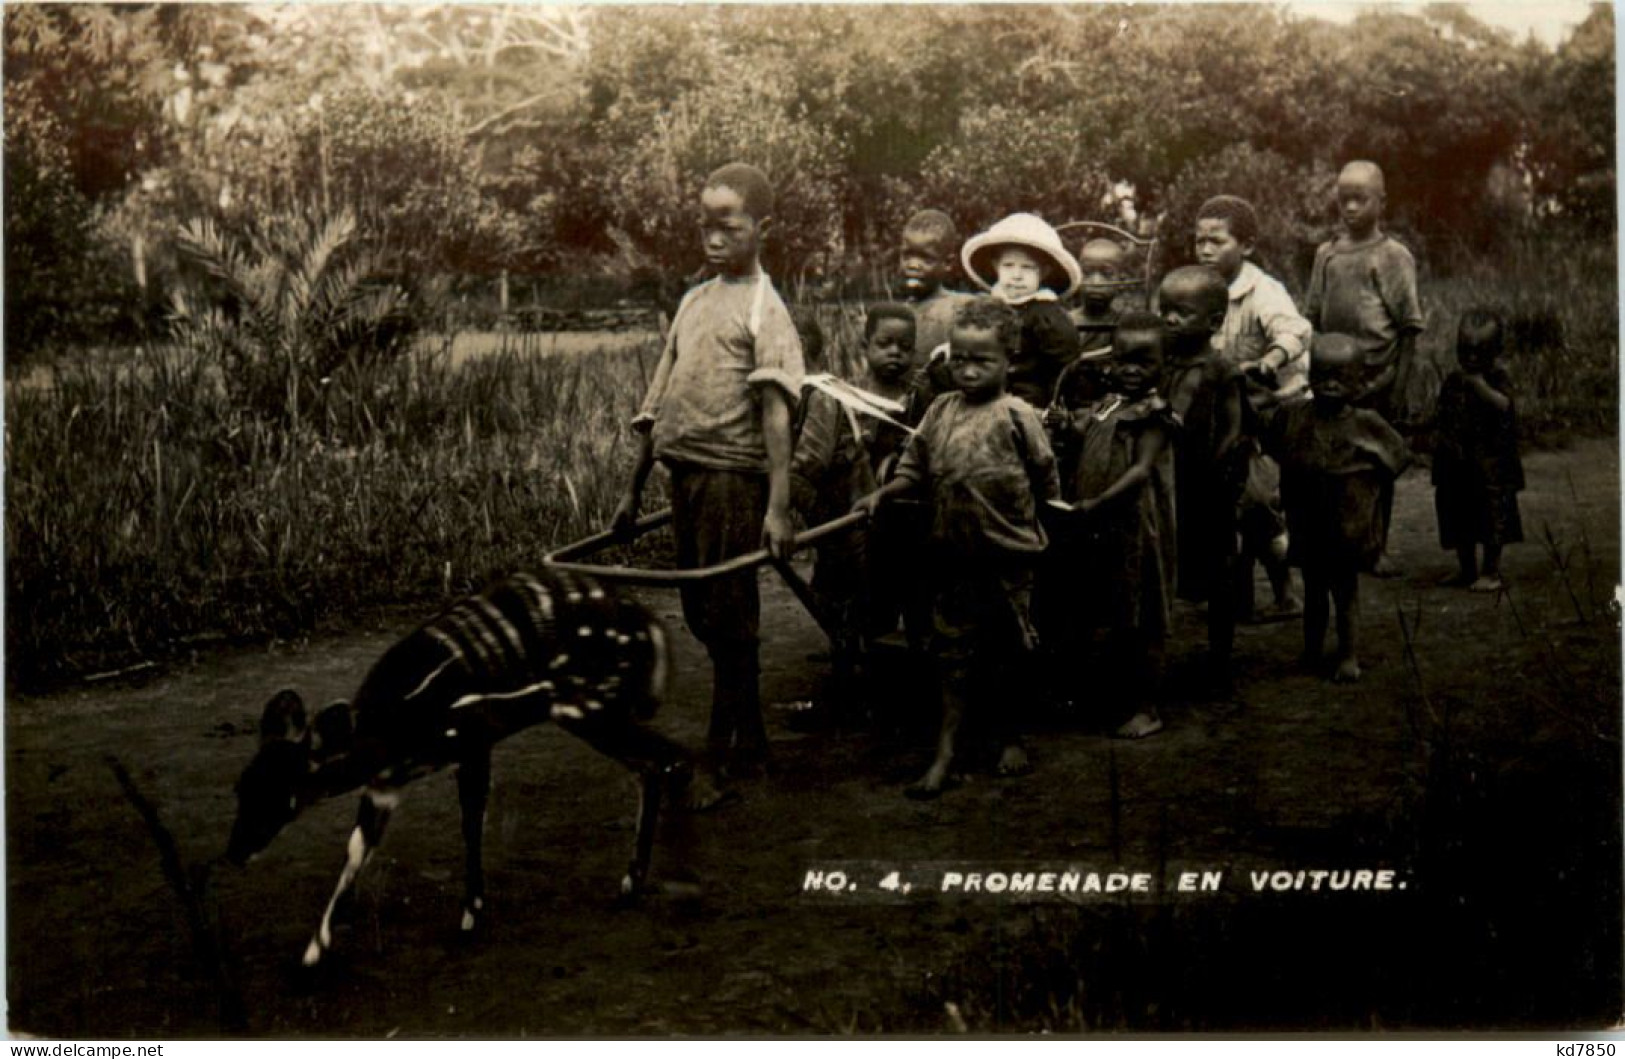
(717, 414)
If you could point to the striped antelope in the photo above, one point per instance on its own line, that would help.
(532, 648)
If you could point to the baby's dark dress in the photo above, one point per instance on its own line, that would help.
(1209, 481)
(1333, 470)
(1127, 559)
(1477, 472)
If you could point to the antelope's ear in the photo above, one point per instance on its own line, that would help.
(335, 729)
(284, 718)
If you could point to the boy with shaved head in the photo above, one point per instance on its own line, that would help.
(1336, 463)
(717, 414)
(1364, 286)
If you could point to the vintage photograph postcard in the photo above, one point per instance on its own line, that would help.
(541, 521)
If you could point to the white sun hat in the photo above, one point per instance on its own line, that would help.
(1030, 232)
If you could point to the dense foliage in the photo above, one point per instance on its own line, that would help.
(547, 141)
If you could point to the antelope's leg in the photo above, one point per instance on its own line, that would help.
(376, 805)
(473, 791)
(649, 783)
(655, 761)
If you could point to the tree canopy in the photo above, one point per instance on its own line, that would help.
(474, 138)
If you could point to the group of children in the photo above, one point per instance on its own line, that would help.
(1036, 479)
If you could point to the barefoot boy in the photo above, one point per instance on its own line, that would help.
(1364, 285)
(717, 414)
(1336, 461)
(1210, 460)
(982, 457)
(1267, 340)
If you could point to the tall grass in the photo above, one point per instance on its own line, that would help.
(1561, 303)
(149, 507)
(146, 509)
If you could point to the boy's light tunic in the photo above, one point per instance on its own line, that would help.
(1262, 315)
(702, 404)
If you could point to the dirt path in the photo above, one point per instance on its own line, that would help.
(1508, 772)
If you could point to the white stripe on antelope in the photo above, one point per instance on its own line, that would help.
(532, 648)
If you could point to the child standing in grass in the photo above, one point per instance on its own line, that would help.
(1122, 492)
(982, 457)
(1364, 285)
(1477, 472)
(841, 456)
(1022, 262)
(1336, 461)
(717, 414)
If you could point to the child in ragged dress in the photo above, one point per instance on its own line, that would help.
(1336, 462)
(981, 457)
(1477, 472)
(1123, 517)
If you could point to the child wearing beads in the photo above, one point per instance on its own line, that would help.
(1477, 472)
(982, 458)
(1336, 461)
(1123, 519)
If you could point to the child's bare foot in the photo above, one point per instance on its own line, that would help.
(1487, 583)
(1385, 567)
(1348, 672)
(1284, 609)
(1459, 579)
(703, 792)
(932, 784)
(1014, 762)
(1139, 726)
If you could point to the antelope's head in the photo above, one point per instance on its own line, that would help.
(278, 783)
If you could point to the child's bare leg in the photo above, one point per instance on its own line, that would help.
(1489, 578)
(1467, 564)
(750, 755)
(1315, 593)
(1221, 620)
(935, 779)
(1280, 575)
(1345, 586)
(1143, 657)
